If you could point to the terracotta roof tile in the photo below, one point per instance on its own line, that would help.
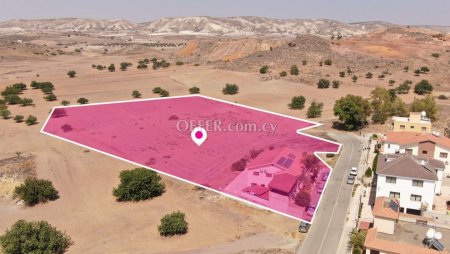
(404, 138)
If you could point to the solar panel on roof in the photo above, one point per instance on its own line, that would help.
(291, 156)
(288, 163)
(393, 205)
(436, 244)
(281, 161)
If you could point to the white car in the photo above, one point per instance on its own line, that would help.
(354, 171)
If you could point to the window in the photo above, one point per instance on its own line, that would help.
(412, 126)
(443, 155)
(416, 198)
(394, 195)
(268, 174)
(409, 151)
(255, 173)
(389, 145)
(253, 184)
(390, 179)
(424, 129)
(402, 127)
(418, 183)
(424, 152)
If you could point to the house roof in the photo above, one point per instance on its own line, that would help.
(383, 208)
(404, 138)
(405, 165)
(259, 191)
(282, 157)
(283, 182)
(386, 246)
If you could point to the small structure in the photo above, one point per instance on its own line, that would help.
(416, 122)
(385, 213)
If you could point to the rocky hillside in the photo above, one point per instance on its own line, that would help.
(205, 26)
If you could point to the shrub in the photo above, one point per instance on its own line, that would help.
(10, 90)
(264, 69)
(142, 66)
(34, 237)
(20, 86)
(425, 69)
(179, 63)
(381, 76)
(124, 66)
(303, 199)
(435, 55)
(442, 97)
(71, 74)
(65, 103)
(336, 84)
(173, 224)
(328, 62)
(19, 118)
(391, 82)
(157, 89)
(423, 87)
(136, 94)
(138, 184)
(369, 75)
(368, 172)
(417, 72)
(304, 62)
(50, 97)
(294, 70)
(314, 110)
(230, 89)
(239, 165)
(112, 68)
(31, 120)
(164, 93)
(297, 102)
(34, 191)
(375, 163)
(404, 87)
(27, 102)
(283, 74)
(342, 74)
(82, 100)
(323, 83)
(354, 78)
(5, 113)
(13, 99)
(194, 90)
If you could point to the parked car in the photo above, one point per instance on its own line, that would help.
(311, 210)
(325, 176)
(304, 227)
(350, 179)
(354, 171)
(320, 188)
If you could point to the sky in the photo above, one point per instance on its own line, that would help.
(403, 12)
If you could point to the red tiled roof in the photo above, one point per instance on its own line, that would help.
(408, 138)
(382, 209)
(258, 191)
(283, 182)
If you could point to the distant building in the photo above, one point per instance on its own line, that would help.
(416, 122)
(429, 146)
(412, 180)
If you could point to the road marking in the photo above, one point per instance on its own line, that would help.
(337, 199)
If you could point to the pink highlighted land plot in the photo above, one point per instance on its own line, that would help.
(243, 155)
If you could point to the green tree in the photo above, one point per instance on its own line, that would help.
(50, 97)
(357, 239)
(353, 111)
(34, 191)
(34, 237)
(194, 90)
(13, 99)
(417, 72)
(19, 118)
(283, 74)
(368, 172)
(304, 62)
(354, 78)
(435, 55)
(404, 87)
(423, 87)
(136, 94)
(5, 114)
(82, 100)
(173, 224)
(424, 69)
(112, 68)
(294, 70)
(381, 105)
(164, 93)
(65, 103)
(27, 102)
(138, 184)
(427, 104)
(71, 74)
(369, 75)
(31, 120)
(323, 83)
(342, 74)
(314, 110)
(264, 69)
(336, 83)
(157, 90)
(230, 89)
(297, 102)
(303, 199)
(391, 82)
(399, 108)
(328, 62)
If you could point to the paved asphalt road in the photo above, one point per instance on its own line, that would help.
(325, 233)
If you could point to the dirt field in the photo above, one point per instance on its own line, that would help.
(87, 210)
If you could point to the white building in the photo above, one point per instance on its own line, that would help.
(410, 179)
(427, 146)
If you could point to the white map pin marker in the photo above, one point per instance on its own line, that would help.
(199, 135)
